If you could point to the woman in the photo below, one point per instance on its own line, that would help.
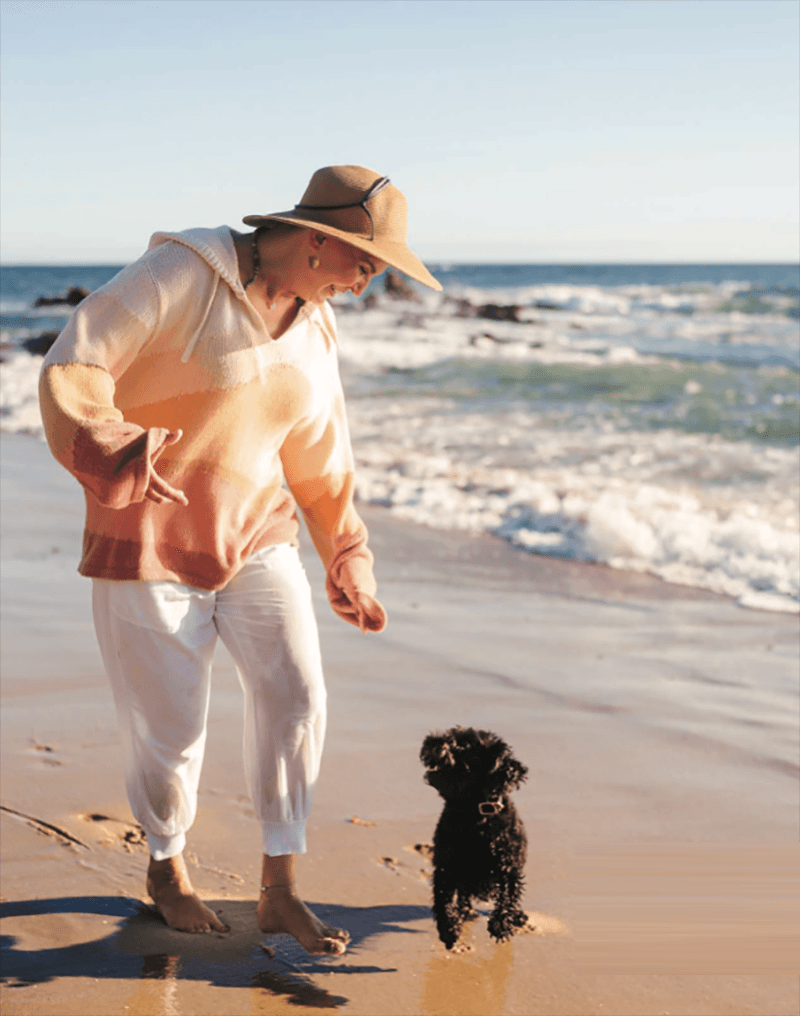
(181, 395)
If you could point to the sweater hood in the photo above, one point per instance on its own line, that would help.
(214, 246)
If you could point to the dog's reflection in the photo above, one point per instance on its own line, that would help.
(469, 984)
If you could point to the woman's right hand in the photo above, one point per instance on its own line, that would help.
(158, 490)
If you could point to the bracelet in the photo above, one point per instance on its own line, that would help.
(282, 885)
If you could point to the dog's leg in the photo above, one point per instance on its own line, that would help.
(507, 914)
(520, 919)
(449, 921)
(466, 911)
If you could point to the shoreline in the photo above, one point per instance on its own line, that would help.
(647, 713)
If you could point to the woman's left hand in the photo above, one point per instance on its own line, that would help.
(360, 610)
(351, 587)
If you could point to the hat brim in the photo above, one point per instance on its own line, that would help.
(397, 255)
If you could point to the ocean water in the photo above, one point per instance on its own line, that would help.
(645, 416)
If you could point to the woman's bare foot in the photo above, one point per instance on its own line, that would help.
(280, 909)
(170, 888)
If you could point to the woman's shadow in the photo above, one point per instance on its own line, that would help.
(143, 947)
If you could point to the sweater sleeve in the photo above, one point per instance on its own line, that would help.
(318, 465)
(111, 458)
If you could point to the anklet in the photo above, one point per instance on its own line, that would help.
(283, 885)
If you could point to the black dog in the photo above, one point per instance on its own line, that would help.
(479, 845)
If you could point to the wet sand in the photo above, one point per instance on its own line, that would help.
(661, 806)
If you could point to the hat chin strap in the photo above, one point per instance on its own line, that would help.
(376, 188)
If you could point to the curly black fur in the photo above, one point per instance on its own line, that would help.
(476, 854)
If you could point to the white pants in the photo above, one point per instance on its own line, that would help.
(157, 640)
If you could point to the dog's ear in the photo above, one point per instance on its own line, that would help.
(435, 751)
(514, 772)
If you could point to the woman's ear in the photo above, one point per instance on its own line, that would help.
(315, 240)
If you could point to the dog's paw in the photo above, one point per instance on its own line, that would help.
(501, 930)
(459, 948)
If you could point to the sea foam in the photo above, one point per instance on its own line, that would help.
(647, 427)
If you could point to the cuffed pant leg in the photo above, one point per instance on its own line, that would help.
(157, 642)
(266, 619)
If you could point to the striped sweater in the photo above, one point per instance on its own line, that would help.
(172, 342)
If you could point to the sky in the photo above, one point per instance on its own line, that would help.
(520, 131)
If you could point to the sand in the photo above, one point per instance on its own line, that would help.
(661, 807)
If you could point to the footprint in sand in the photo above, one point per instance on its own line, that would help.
(545, 926)
(113, 832)
(392, 864)
(424, 851)
(46, 753)
(398, 867)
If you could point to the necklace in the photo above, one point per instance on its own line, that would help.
(256, 264)
(256, 259)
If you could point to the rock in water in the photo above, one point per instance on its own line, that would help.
(72, 298)
(397, 287)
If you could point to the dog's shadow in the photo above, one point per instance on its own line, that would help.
(142, 946)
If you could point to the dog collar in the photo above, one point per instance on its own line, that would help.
(490, 807)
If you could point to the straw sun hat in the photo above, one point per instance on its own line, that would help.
(362, 208)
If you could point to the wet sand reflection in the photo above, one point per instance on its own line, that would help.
(156, 991)
(468, 983)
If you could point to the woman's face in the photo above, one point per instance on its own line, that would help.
(342, 268)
